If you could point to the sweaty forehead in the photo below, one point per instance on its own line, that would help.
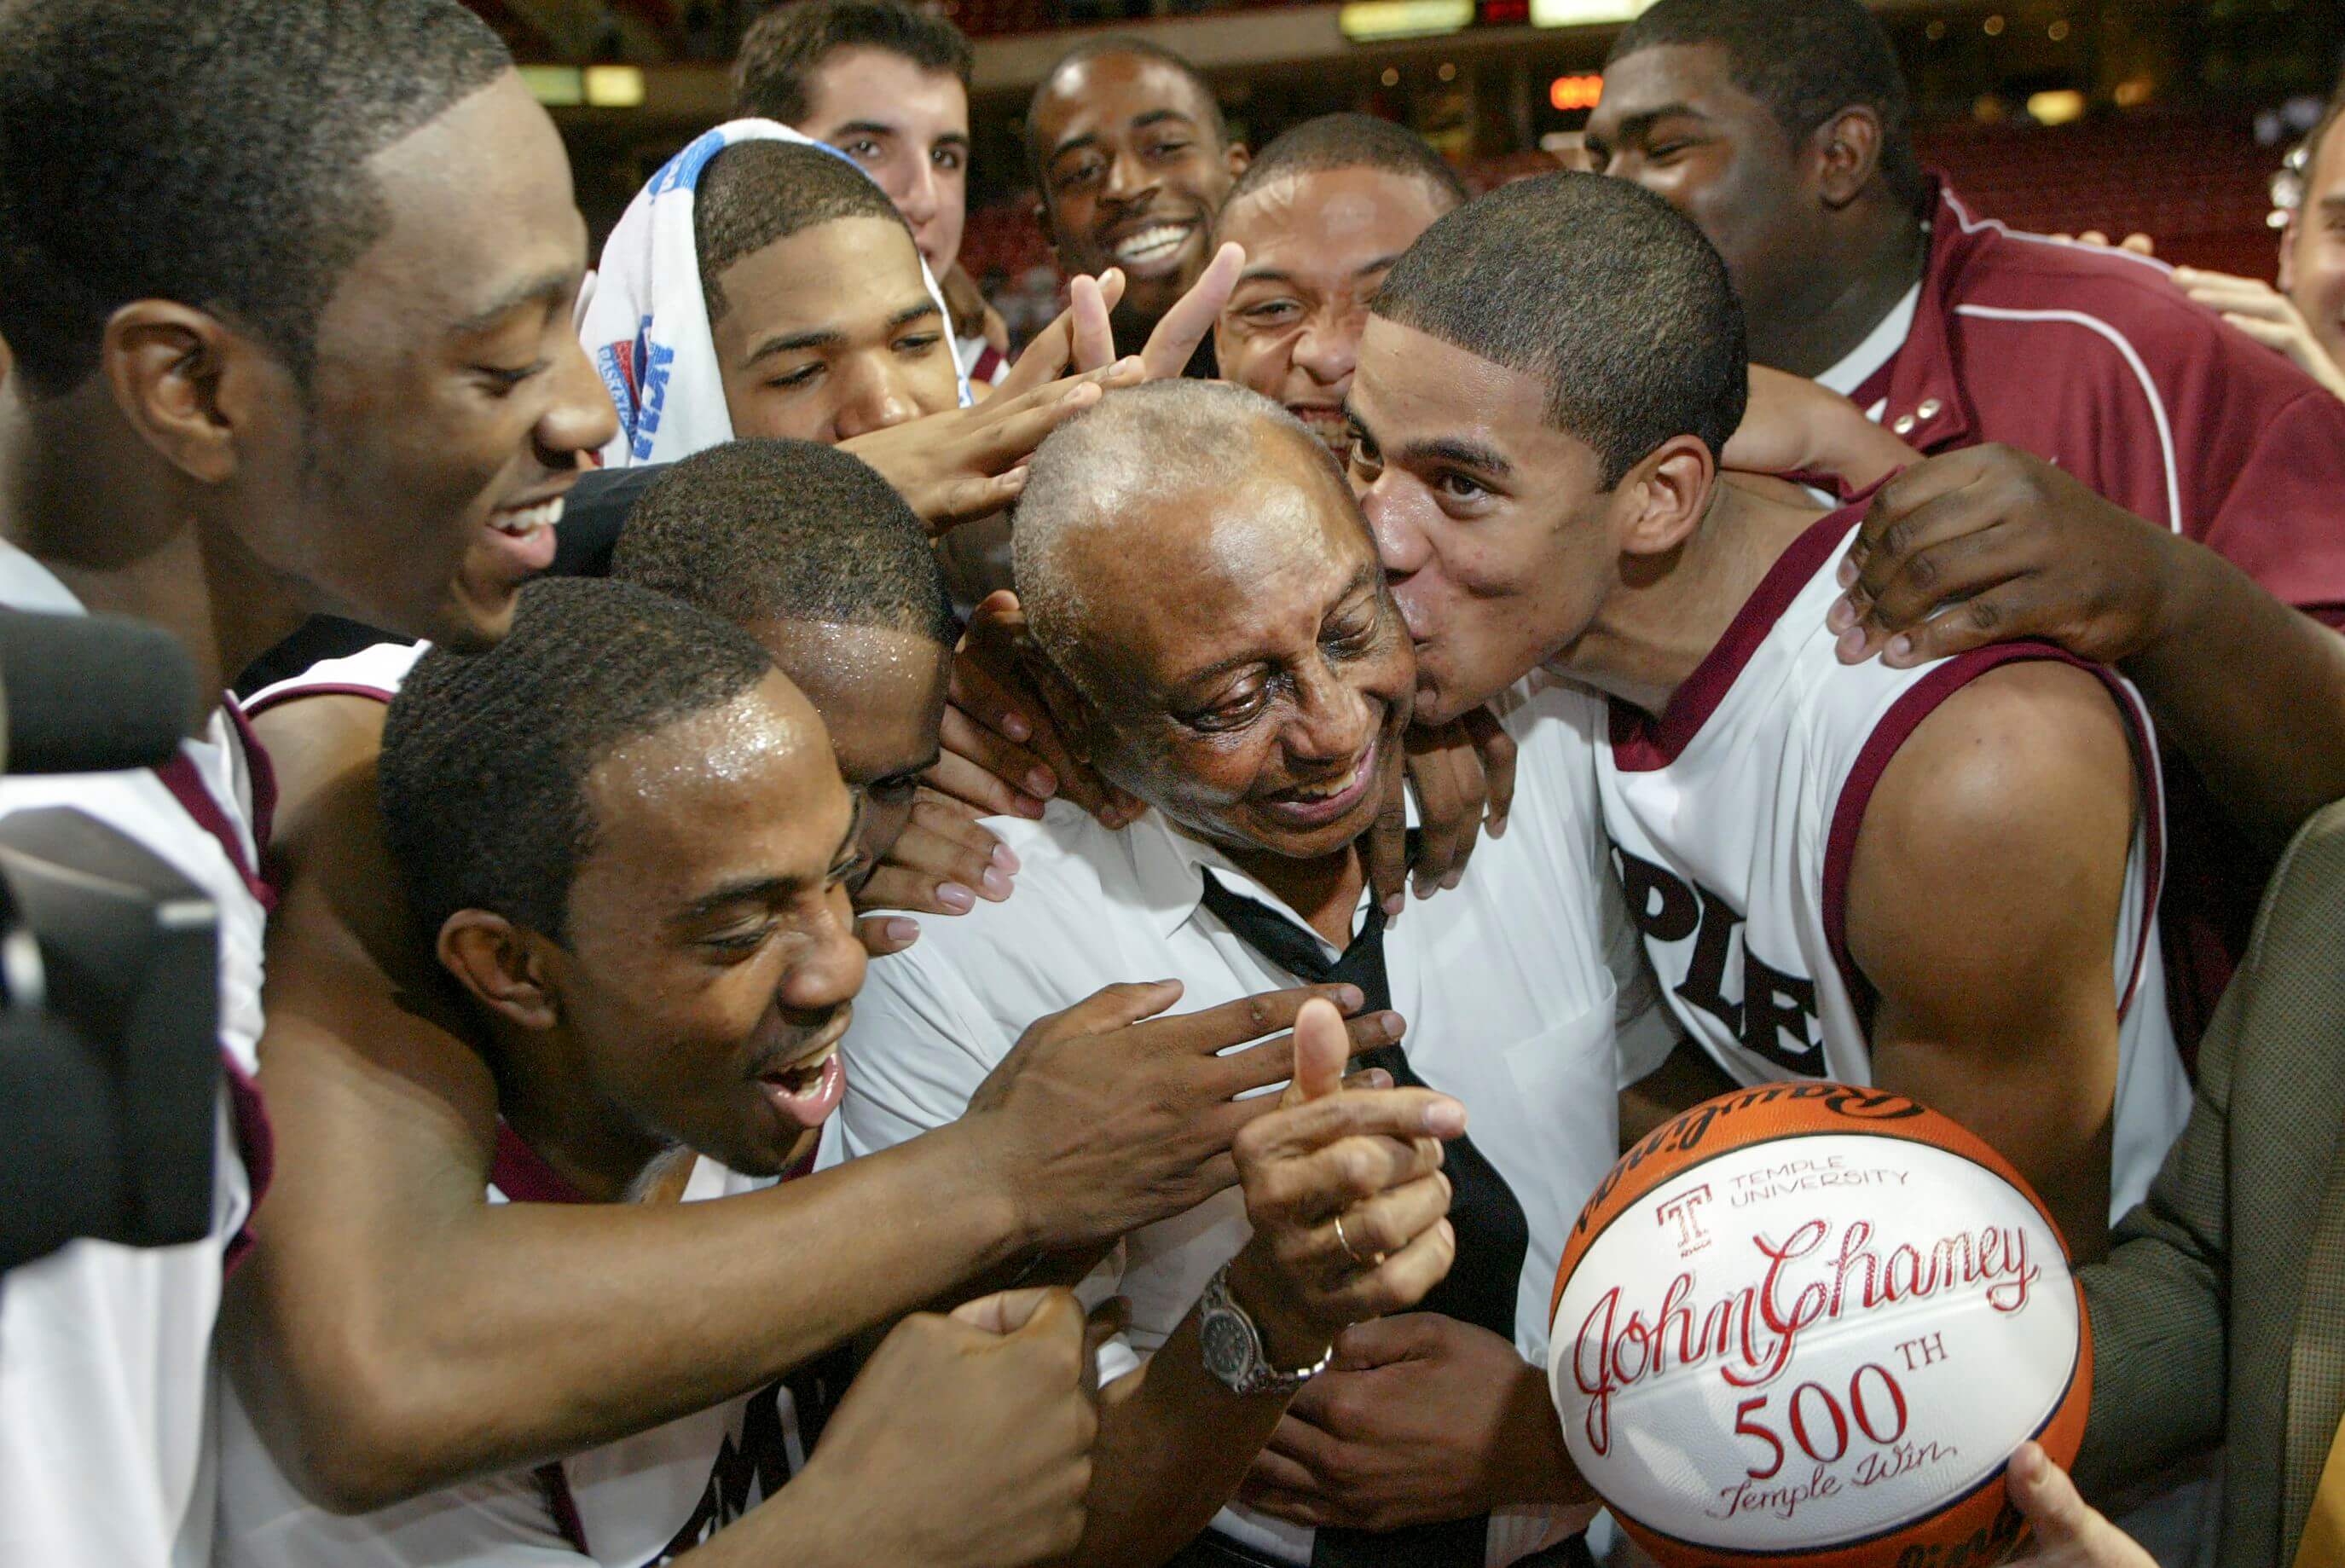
(1423, 400)
(1105, 94)
(698, 796)
(880, 692)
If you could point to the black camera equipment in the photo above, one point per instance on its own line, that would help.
(110, 992)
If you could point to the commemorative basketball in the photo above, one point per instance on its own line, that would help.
(1808, 1324)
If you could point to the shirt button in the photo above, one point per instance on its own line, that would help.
(1904, 425)
(1929, 408)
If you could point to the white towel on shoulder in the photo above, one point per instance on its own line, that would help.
(645, 324)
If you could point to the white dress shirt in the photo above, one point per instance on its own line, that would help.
(1510, 985)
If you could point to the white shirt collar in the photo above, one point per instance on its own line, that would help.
(26, 584)
(1879, 347)
(1166, 863)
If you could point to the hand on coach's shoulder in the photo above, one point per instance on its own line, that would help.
(1003, 754)
(972, 1433)
(1992, 543)
(1345, 1192)
(1107, 1117)
(1463, 775)
(943, 862)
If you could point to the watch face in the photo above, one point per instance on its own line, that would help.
(1227, 1346)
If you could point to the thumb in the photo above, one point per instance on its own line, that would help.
(2064, 1524)
(1054, 1314)
(1003, 1312)
(1320, 1048)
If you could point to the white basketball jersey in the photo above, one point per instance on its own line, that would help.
(642, 1500)
(1733, 819)
(376, 672)
(108, 1413)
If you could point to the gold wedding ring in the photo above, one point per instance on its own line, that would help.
(1344, 1243)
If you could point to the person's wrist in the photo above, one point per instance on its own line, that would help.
(1011, 1208)
(2188, 582)
(1292, 1337)
(1536, 1464)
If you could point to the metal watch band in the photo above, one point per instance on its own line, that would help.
(1231, 1345)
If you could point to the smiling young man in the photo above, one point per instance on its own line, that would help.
(823, 326)
(1260, 713)
(1782, 128)
(1827, 862)
(639, 889)
(887, 86)
(1324, 211)
(288, 284)
(1133, 158)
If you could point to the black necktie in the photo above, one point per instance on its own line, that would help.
(1492, 1234)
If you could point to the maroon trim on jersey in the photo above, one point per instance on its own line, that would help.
(1917, 702)
(187, 786)
(1642, 744)
(522, 1174)
(269, 702)
(256, 1139)
(990, 366)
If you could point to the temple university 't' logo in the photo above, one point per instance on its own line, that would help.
(1694, 937)
(1684, 1210)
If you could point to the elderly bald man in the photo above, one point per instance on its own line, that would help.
(1259, 710)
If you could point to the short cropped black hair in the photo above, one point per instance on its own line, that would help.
(1598, 288)
(1038, 156)
(784, 48)
(763, 531)
(485, 756)
(1806, 60)
(1352, 141)
(754, 194)
(209, 152)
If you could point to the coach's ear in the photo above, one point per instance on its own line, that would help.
(499, 962)
(1659, 503)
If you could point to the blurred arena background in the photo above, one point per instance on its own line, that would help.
(2157, 116)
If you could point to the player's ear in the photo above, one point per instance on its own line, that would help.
(190, 385)
(1236, 156)
(501, 965)
(1847, 153)
(1072, 713)
(1665, 496)
(2287, 251)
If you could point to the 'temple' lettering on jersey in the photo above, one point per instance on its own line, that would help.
(1692, 932)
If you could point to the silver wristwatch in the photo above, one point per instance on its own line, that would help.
(1233, 1345)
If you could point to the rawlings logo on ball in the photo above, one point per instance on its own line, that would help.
(1808, 1324)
